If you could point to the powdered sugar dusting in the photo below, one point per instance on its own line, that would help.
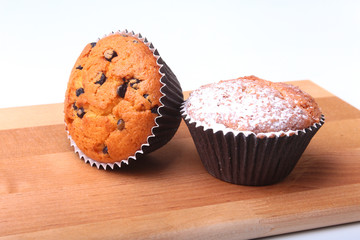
(244, 105)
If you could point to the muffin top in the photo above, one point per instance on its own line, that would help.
(252, 104)
(112, 97)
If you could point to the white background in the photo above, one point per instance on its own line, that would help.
(202, 42)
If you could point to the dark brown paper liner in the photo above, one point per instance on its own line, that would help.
(166, 123)
(247, 159)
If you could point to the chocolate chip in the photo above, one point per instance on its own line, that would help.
(146, 97)
(105, 150)
(93, 44)
(101, 80)
(134, 83)
(135, 41)
(74, 106)
(80, 112)
(121, 124)
(122, 90)
(124, 35)
(155, 109)
(109, 54)
(79, 67)
(79, 91)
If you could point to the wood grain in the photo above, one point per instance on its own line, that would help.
(46, 192)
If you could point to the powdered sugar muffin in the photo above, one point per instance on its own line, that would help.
(118, 94)
(240, 128)
(252, 104)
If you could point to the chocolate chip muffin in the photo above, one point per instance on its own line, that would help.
(114, 95)
(251, 131)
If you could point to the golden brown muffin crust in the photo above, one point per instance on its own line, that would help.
(112, 98)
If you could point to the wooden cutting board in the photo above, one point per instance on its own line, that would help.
(46, 192)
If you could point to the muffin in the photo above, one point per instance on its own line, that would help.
(250, 131)
(119, 95)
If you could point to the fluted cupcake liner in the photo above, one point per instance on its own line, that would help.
(166, 123)
(248, 159)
